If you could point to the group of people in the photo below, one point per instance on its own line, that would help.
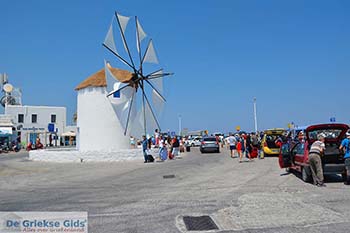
(38, 145)
(163, 143)
(244, 146)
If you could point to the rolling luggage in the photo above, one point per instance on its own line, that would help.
(170, 155)
(254, 153)
(164, 154)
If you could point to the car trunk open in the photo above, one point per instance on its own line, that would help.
(334, 133)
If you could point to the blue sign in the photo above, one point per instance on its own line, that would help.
(173, 134)
(51, 127)
(332, 119)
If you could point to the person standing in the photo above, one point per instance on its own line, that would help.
(232, 142)
(239, 149)
(156, 137)
(145, 148)
(248, 146)
(316, 151)
(175, 145)
(345, 147)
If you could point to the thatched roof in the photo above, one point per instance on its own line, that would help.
(99, 79)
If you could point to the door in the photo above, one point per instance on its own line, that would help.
(285, 158)
(298, 152)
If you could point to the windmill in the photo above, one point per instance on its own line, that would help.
(126, 91)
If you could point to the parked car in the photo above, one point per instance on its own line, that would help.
(295, 154)
(195, 141)
(209, 144)
(268, 142)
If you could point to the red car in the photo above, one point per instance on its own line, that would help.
(295, 155)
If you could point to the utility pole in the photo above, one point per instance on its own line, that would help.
(255, 117)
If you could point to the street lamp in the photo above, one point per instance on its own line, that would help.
(179, 117)
(255, 117)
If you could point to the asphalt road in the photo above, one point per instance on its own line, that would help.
(135, 197)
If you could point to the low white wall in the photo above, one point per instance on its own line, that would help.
(99, 127)
(68, 156)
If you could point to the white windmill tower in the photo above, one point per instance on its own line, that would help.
(113, 103)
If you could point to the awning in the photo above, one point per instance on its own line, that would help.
(5, 131)
(68, 134)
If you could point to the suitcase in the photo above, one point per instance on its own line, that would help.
(150, 159)
(164, 154)
(170, 155)
(254, 153)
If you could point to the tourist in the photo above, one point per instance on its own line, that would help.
(156, 137)
(248, 146)
(316, 151)
(239, 149)
(345, 147)
(232, 142)
(132, 142)
(38, 144)
(175, 146)
(144, 148)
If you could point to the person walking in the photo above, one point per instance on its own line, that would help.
(239, 149)
(316, 151)
(176, 146)
(345, 147)
(145, 148)
(232, 141)
(248, 146)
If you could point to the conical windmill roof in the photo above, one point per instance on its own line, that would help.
(99, 79)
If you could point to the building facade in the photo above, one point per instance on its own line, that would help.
(44, 122)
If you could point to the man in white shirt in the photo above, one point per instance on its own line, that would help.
(232, 142)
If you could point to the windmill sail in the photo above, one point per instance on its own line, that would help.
(120, 100)
(136, 118)
(109, 39)
(157, 100)
(150, 55)
(110, 79)
(123, 22)
(140, 35)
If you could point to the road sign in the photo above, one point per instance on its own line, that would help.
(332, 119)
(51, 127)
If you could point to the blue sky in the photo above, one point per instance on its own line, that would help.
(293, 56)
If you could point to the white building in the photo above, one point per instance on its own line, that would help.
(99, 129)
(33, 121)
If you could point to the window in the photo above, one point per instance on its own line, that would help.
(53, 118)
(20, 118)
(34, 118)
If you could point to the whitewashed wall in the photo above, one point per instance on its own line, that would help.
(98, 126)
(43, 119)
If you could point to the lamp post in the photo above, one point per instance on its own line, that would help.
(179, 117)
(255, 117)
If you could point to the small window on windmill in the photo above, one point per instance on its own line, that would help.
(116, 94)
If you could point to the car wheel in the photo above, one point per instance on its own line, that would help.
(218, 151)
(305, 174)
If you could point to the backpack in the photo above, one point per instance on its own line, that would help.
(150, 158)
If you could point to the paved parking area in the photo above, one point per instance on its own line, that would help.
(136, 197)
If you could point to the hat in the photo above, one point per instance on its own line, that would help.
(348, 134)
